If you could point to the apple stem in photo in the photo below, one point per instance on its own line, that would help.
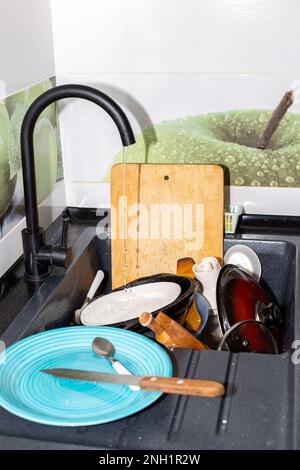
(275, 119)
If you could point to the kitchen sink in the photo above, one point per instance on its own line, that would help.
(260, 408)
(54, 303)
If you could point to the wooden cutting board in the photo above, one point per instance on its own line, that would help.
(173, 211)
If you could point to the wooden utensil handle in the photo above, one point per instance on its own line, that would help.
(146, 319)
(175, 385)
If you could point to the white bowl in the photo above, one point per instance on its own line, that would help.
(126, 305)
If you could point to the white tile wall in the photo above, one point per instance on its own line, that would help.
(161, 59)
(26, 46)
(163, 36)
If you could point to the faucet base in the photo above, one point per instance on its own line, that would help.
(39, 257)
(35, 270)
(38, 278)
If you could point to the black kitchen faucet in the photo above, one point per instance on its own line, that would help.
(39, 256)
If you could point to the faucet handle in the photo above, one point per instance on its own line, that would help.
(65, 227)
(61, 256)
(55, 255)
(58, 255)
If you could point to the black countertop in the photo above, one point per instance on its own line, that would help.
(261, 407)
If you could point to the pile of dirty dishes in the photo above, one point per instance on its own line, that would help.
(243, 315)
(228, 308)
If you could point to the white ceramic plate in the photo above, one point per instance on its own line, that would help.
(245, 258)
(126, 305)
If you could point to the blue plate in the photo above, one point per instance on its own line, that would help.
(33, 395)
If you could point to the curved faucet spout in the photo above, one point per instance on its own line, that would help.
(37, 255)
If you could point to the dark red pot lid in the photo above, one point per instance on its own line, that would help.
(240, 297)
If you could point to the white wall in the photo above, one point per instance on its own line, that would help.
(161, 59)
(26, 46)
(163, 36)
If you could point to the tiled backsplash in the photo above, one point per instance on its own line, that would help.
(186, 118)
(48, 162)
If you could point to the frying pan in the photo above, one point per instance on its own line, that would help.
(249, 315)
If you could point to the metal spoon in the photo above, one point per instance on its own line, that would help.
(104, 348)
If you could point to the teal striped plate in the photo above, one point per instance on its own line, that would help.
(33, 395)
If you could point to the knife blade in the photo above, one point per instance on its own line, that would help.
(173, 385)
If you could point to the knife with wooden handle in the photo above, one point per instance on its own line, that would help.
(173, 385)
